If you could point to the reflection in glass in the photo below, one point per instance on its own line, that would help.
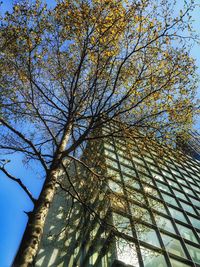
(147, 234)
(128, 170)
(115, 187)
(173, 245)
(163, 187)
(177, 215)
(169, 199)
(176, 263)
(174, 184)
(187, 233)
(157, 205)
(136, 196)
(157, 176)
(188, 191)
(110, 154)
(140, 213)
(124, 161)
(111, 163)
(122, 224)
(130, 181)
(152, 258)
(187, 207)
(145, 178)
(114, 174)
(164, 223)
(194, 253)
(126, 252)
(179, 194)
(195, 202)
(151, 191)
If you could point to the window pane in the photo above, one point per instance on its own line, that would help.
(115, 187)
(177, 215)
(140, 213)
(152, 258)
(189, 178)
(164, 223)
(153, 167)
(110, 154)
(194, 187)
(136, 196)
(179, 194)
(187, 233)
(176, 173)
(194, 253)
(176, 263)
(172, 183)
(158, 206)
(138, 160)
(163, 187)
(147, 234)
(157, 176)
(188, 191)
(173, 245)
(124, 161)
(149, 159)
(195, 202)
(169, 199)
(187, 207)
(167, 174)
(114, 174)
(149, 190)
(127, 170)
(195, 222)
(145, 178)
(129, 181)
(126, 252)
(142, 169)
(181, 181)
(122, 224)
(111, 163)
(109, 146)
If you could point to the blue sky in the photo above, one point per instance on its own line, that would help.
(196, 53)
(13, 201)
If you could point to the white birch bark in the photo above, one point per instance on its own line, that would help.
(33, 233)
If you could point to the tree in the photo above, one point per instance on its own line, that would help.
(83, 64)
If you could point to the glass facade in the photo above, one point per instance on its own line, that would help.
(163, 200)
(144, 210)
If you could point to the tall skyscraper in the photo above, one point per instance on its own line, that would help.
(139, 206)
(191, 144)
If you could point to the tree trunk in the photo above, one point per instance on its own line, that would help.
(33, 233)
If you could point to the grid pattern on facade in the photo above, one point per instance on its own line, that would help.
(153, 203)
(162, 211)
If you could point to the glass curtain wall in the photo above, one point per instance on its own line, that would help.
(161, 217)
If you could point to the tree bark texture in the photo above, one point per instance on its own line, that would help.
(30, 242)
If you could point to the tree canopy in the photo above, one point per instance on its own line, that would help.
(87, 59)
(65, 72)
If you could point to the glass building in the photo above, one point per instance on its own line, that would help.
(145, 212)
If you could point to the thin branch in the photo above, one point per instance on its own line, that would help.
(17, 180)
(21, 136)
